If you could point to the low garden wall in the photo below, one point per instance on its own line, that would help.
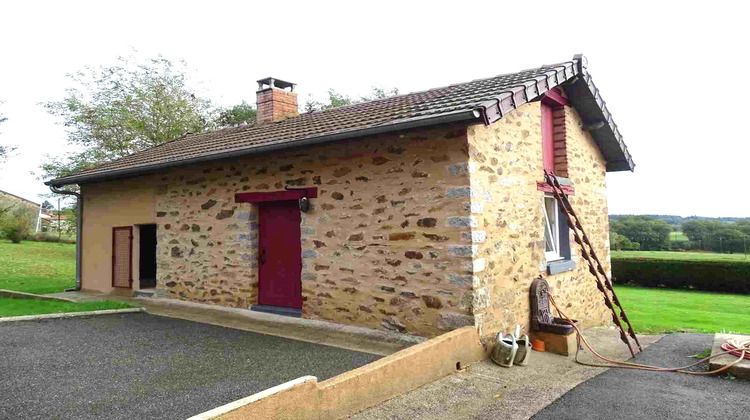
(353, 391)
(711, 276)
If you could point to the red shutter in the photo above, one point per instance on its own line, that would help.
(122, 256)
(548, 138)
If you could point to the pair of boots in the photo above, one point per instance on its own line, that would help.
(511, 349)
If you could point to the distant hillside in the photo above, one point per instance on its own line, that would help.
(676, 221)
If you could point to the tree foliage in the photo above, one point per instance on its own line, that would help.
(111, 112)
(336, 99)
(652, 234)
(717, 236)
(16, 220)
(243, 113)
(619, 242)
(5, 151)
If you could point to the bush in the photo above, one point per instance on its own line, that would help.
(15, 229)
(48, 237)
(711, 276)
(684, 245)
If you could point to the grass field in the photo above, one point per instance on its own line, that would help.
(37, 267)
(677, 236)
(664, 310)
(40, 268)
(18, 307)
(683, 256)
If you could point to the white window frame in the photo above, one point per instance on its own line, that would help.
(555, 254)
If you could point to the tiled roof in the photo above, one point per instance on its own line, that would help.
(483, 99)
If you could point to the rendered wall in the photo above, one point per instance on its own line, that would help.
(506, 164)
(107, 205)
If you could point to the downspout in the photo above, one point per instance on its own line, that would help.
(79, 233)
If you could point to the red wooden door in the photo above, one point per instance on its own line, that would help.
(280, 259)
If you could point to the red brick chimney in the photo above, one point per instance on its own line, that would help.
(274, 101)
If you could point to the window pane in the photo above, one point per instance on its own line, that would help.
(550, 207)
(547, 240)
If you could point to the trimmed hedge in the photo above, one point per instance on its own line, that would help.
(711, 276)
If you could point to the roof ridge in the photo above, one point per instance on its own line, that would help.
(434, 89)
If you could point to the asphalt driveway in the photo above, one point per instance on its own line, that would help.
(631, 394)
(144, 366)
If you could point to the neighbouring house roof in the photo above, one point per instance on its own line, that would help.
(19, 198)
(482, 100)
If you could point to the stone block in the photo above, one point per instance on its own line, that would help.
(740, 370)
(463, 168)
(564, 345)
(462, 221)
(449, 322)
(463, 250)
(475, 236)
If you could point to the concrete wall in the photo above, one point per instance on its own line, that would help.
(506, 164)
(107, 205)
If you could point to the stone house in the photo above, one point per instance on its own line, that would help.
(418, 213)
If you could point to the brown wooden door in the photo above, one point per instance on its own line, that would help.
(122, 256)
(280, 258)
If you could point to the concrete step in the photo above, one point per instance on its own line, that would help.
(741, 369)
(312, 330)
(144, 293)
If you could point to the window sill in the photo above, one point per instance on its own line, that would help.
(561, 266)
(567, 189)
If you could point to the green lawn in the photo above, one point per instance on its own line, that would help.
(37, 267)
(664, 310)
(18, 307)
(677, 236)
(684, 256)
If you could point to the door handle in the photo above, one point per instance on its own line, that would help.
(262, 255)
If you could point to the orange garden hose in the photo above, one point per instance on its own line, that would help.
(737, 347)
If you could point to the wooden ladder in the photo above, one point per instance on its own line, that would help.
(603, 282)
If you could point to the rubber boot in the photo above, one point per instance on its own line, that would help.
(505, 350)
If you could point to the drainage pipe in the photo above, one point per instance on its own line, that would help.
(79, 232)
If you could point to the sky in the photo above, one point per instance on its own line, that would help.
(672, 73)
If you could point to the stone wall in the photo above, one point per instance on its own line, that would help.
(506, 164)
(387, 243)
(421, 232)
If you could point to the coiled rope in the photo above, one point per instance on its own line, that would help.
(737, 347)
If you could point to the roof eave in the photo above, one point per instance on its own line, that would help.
(587, 100)
(417, 122)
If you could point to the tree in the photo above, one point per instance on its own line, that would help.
(16, 221)
(336, 99)
(727, 239)
(111, 112)
(652, 234)
(243, 113)
(619, 242)
(5, 151)
(46, 205)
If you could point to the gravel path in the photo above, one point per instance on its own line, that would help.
(144, 366)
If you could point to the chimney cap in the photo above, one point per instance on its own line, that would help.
(271, 83)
